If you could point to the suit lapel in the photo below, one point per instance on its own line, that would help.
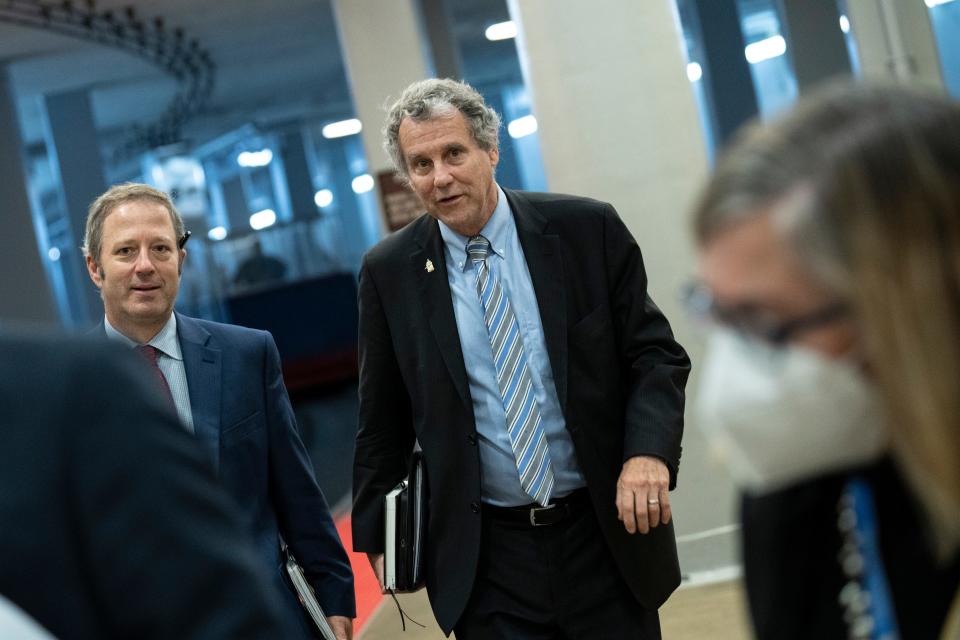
(541, 248)
(435, 295)
(203, 367)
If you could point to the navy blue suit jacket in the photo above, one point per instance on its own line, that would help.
(245, 424)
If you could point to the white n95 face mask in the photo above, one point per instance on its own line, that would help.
(778, 416)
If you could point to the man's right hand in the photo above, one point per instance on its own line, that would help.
(376, 562)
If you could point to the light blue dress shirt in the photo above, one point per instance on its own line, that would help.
(170, 361)
(501, 482)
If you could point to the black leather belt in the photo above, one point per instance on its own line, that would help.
(533, 515)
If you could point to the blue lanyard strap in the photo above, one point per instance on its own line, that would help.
(866, 596)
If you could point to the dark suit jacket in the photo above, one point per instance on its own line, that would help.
(618, 371)
(111, 525)
(791, 542)
(245, 424)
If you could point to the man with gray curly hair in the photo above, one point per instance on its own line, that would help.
(432, 98)
(510, 334)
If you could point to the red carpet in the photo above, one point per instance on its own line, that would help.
(367, 587)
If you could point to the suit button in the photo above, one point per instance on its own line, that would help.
(472, 439)
(475, 507)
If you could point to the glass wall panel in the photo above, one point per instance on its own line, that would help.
(945, 19)
(486, 41)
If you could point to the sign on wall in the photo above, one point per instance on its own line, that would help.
(399, 204)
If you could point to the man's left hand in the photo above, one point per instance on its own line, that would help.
(643, 494)
(342, 627)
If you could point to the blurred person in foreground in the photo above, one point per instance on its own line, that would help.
(830, 261)
(112, 524)
(226, 386)
(511, 335)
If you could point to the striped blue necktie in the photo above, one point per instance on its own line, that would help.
(527, 437)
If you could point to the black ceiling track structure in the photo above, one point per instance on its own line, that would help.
(152, 40)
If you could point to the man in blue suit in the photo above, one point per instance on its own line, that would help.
(225, 384)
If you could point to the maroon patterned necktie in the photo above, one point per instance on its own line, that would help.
(149, 354)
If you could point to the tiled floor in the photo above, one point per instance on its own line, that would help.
(713, 612)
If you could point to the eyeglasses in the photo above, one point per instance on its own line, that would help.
(702, 307)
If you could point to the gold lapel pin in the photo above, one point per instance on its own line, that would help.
(429, 266)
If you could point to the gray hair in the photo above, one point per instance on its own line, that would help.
(115, 196)
(844, 146)
(436, 98)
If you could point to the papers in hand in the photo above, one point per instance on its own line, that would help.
(390, 537)
(308, 599)
(404, 510)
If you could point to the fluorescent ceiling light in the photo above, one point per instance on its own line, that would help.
(263, 219)
(522, 127)
(217, 233)
(502, 31)
(694, 71)
(937, 3)
(323, 198)
(362, 184)
(845, 24)
(342, 128)
(255, 158)
(765, 49)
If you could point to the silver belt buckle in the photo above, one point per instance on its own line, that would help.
(533, 514)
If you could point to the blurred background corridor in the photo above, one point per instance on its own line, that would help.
(262, 120)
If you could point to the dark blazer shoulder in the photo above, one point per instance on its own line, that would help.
(400, 244)
(570, 216)
(199, 330)
(552, 202)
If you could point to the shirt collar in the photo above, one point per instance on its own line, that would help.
(165, 341)
(497, 230)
